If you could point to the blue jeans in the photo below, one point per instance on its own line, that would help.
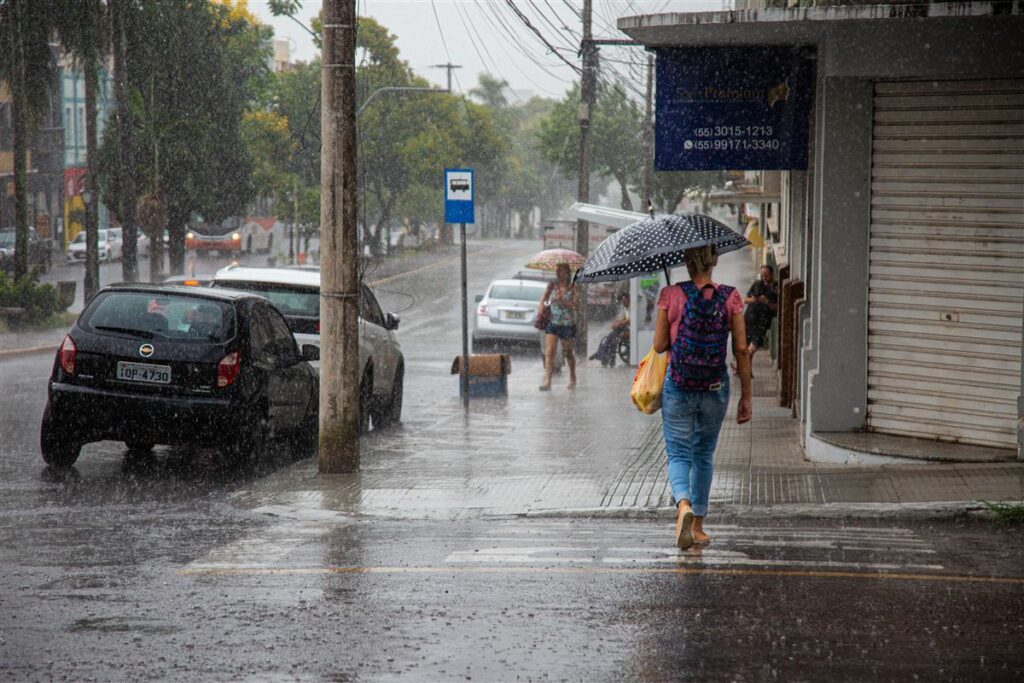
(692, 421)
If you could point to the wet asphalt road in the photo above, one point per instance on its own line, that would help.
(127, 570)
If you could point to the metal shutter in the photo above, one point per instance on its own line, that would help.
(946, 285)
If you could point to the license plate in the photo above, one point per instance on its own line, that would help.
(515, 315)
(144, 372)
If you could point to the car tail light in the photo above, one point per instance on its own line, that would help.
(318, 327)
(482, 310)
(67, 355)
(227, 369)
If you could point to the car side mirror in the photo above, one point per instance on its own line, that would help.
(479, 298)
(391, 321)
(310, 352)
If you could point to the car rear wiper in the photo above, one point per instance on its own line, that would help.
(145, 334)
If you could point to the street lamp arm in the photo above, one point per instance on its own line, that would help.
(396, 88)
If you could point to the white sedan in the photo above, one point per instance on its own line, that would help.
(108, 247)
(296, 293)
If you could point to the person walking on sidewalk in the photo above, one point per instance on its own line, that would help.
(562, 301)
(694, 321)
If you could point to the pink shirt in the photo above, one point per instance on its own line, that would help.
(672, 300)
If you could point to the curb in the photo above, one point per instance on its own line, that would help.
(32, 350)
(891, 511)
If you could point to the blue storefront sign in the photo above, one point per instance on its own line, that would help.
(723, 108)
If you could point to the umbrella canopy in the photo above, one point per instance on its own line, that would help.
(550, 259)
(656, 243)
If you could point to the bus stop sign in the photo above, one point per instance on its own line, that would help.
(458, 195)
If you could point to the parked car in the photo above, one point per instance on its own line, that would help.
(296, 293)
(108, 247)
(149, 364)
(227, 244)
(40, 251)
(506, 313)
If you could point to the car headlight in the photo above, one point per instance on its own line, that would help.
(191, 235)
(235, 236)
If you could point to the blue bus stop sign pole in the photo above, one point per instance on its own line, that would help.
(458, 208)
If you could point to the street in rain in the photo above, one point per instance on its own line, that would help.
(628, 340)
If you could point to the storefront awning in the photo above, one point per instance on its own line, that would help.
(744, 195)
(603, 215)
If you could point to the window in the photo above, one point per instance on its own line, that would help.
(290, 300)
(271, 338)
(516, 292)
(153, 315)
(369, 310)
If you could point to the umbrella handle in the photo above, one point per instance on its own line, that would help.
(668, 280)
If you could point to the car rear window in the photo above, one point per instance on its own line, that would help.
(152, 315)
(517, 292)
(289, 299)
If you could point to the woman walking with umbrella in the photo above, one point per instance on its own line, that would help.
(695, 319)
(560, 304)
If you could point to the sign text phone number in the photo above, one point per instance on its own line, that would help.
(734, 132)
(732, 143)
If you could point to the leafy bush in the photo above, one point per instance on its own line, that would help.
(38, 302)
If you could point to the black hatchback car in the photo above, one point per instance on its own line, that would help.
(165, 364)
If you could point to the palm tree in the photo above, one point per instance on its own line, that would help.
(28, 68)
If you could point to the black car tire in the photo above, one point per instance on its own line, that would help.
(57, 449)
(391, 413)
(479, 346)
(244, 449)
(307, 438)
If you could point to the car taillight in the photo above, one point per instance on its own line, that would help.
(318, 327)
(482, 310)
(227, 369)
(67, 355)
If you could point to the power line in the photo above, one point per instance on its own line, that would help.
(526, 21)
(514, 39)
(448, 54)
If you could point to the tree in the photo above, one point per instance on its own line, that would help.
(617, 128)
(196, 68)
(80, 26)
(29, 71)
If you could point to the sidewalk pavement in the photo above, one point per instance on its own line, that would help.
(589, 452)
(23, 343)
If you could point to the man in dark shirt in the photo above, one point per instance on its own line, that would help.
(762, 304)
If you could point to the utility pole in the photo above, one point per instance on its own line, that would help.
(648, 181)
(449, 67)
(588, 94)
(339, 289)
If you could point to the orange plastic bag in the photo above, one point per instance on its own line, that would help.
(650, 376)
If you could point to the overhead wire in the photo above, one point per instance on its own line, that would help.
(540, 36)
(497, 21)
(516, 62)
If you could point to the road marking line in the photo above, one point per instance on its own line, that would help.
(717, 571)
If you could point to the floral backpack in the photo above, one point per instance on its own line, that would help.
(699, 351)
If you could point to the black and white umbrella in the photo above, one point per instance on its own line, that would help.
(656, 243)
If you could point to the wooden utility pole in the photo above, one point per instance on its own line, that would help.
(339, 272)
(648, 181)
(588, 94)
(448, 67)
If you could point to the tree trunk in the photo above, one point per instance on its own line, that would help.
(125, 170)
(177, 228)
(92, 265)
(626, 202)
(19, 124)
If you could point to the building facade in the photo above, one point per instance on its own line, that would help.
(901, 245)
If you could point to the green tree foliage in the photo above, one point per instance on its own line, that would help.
(28, 70)
(196, 68)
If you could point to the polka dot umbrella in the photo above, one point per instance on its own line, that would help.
(656, 243)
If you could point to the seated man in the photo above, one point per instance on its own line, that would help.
(608, 348)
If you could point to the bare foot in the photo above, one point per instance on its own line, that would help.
(570, 385)
(545, 387)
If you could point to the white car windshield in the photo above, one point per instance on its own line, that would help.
(516, 292)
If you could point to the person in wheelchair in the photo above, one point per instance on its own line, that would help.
(613, 343)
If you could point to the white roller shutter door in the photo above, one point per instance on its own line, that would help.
(946, 286)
